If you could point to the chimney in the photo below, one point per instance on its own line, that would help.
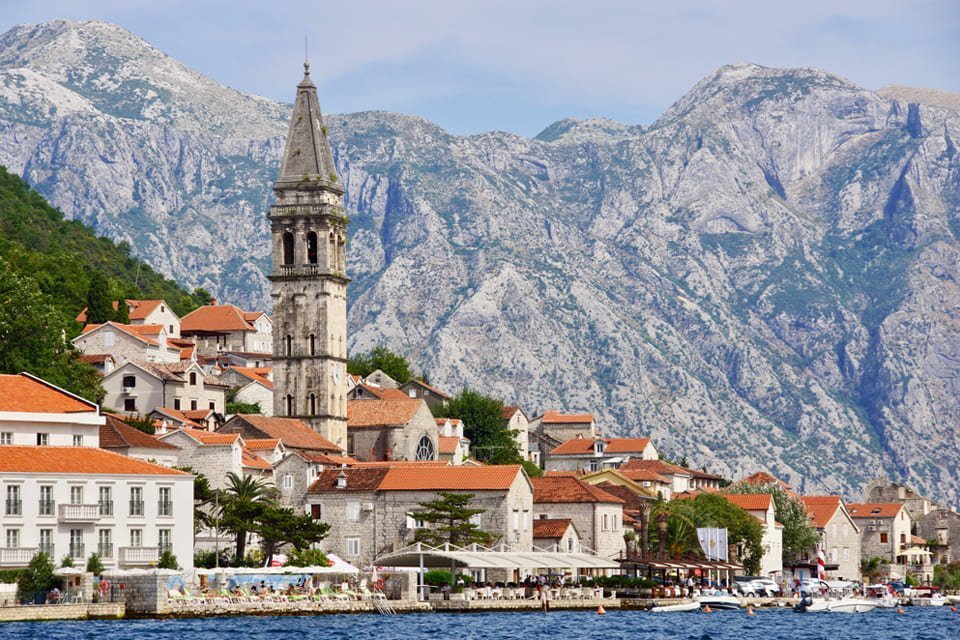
(213, 302)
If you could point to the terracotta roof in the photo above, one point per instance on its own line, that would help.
(917, 541)
(442, 421)
(750, 501)
(447, 444)
(490, 478)
(509, 410)
(215, 319)
(412, 464)
(631, 499)
(198, 414)
(94, 358)
(325, 459)
(567, 489)
(583, 446)
(381, 413)
(430, 388)
(762, 477)
(25, 393)
(143, 332)
(821, 508)
(357, 479)
(210, 437)
(252, 460)
(874, 509)
(117, 434)
(553, 529)
(657, 466)
(253, 316)
(258, 444)
(555, 417)
(140, 309)
(641, 475)
(177, 416)
(253, 374)
(291, 432)
(76, 460)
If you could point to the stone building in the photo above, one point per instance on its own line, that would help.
(145, 343)
(369, 508)
(217, 454)
(119, 437)
(839, 537)
(434, 398)
(142, 312)
(556, 535)
(141, 387)
(221, 328)
(396, 429)
(308, 230)
(292, 433)
(596, 514)
(942, 527)
(593, 454)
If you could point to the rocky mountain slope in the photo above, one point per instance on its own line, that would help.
(766, 277)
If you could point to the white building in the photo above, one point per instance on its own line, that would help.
(35, 413)
(762, 507)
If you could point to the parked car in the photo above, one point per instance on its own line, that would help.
(767, 587)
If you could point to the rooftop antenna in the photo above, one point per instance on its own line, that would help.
(306, 57)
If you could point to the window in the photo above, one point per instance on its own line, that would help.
(570, 544)
(212, 405)
(425, 449)
(316, 511)
(526, 520)
(76, 543)
(353, 547)
(129, 382)
(604, 522)
(105, 501)
(46, 500)
(13, 538)
(193, 378)
(136, 537)
(170, 329)
(176, 404)
(105, 543)
(76, 494)
(77, 440)
(129, 405)
(43, 439)
(289, 403)
(46, 542)
(413, 523)
(313, 404)
(353, 511)
(287, 481)
(14, 504)
(516, 518)
(311, 247)
(594, 465)
(313, 344)
(193, 405)
(164, 540)
(883, 538)
(108, 339)
(165, 504)
(136, 501)
(475, 519)
(6, 437)
(288, 345)
(287, 242)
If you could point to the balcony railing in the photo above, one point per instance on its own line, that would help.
(136, 507)
(49, 549)
(301, 270)
(16, 556)
(105, 550)
(105, 507)
(14, 507)
(77, 550)
(46, 507)
(139, 555)
(165, 508)
(79, 513)
(166, 546)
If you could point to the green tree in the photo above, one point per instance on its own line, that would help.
(168, 561)
(392, 364)
(871, 568)
(122, 314)
(947, 576)
(799, 536)
(99, 304)
(672, 529)
(242, 503)
(32, 338)
(205, 500)
(94, 564)
(38, 576)
(483, 422)
(743, 530)
(277, 526)
(308, 558)
(449, 516)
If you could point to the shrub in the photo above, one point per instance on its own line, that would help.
(66, 561)
(94, 565)
(437, 577)
(167, 561)
(308, 558)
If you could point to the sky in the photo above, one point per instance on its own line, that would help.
(519, 65)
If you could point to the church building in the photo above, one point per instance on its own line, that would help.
(308, 230)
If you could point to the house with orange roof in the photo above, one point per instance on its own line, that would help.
(365, 391)
(293, 434)
(452, 445)
(119, 437)
(34, 412)
(220, 328)
(885, 532)
(435, 398)
(141, 387)
(548, 431)
(144, 342)
(762, 507)
(217, 454)
(77, 501)
(519, 425)
(583, 454)
(370, 508)
(556, 534)
(156, 312)
(597, 514)
(251, 385)
(298, 469)
(391, 429)
(839, 537)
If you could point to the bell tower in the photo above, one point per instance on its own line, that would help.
(308, 234)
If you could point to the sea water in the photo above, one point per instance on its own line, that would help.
(915, 623)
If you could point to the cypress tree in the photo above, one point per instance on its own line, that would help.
(123, 312)
(99, 305)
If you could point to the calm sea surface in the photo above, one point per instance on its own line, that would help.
(916, 623)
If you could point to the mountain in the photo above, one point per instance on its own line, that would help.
(766, 277)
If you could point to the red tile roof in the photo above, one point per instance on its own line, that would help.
(76, 460)
(147, 333)
(139, 309)
(509, 410)
(215, 319)
(750, 501)
(762, 477)
(584, 446)
(641, 475)
(381, 413)
(117, 434)
(177, 416)
(210, 437)
(874, 509)
(253, 461)
(568, 489)
(657, 466)
(447, 444)
(258, 444)
(293, 433)
(553, 529)
(24, 393)
(555, 417)
(253, 374)
(412, 464)
(367, 479)
(489, 478)
(431, 389)
(821, 508)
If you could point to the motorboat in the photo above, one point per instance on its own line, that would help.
(693, 605)
(953, 599)
(846, 604)
(882, 595)
(719, 602)
(935, 600)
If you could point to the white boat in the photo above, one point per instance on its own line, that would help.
(679, 607)
(953, 599)
(882, 595)
(719, 602)
(936, 600)
(851, 605)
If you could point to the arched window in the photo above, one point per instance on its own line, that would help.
(287, 248)
(313, 404)
(288, 345)
(193, 378)
(313, 344)
(289, 403)
(425, 449)
(311, 247)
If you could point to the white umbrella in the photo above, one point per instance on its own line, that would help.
(67, 571)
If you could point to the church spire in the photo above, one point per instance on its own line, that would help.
(307, 162)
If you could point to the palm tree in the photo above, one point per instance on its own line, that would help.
(675, 531)
(242, 502)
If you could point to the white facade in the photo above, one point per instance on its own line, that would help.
(127, 344)
(134, 388)
(49, 429)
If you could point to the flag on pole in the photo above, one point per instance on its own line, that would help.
(713, 541)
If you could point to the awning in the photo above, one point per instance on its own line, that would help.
(431, 557)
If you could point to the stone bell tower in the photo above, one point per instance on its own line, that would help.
(308, 234)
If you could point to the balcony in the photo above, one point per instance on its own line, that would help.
(165, 508)
(136, 507)
(139, 555)
(14, 508)
(49, 549)
(105, 507)
(46, 507)
(79, 513)
(16, 556)
(77, 550)
(105, 551)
